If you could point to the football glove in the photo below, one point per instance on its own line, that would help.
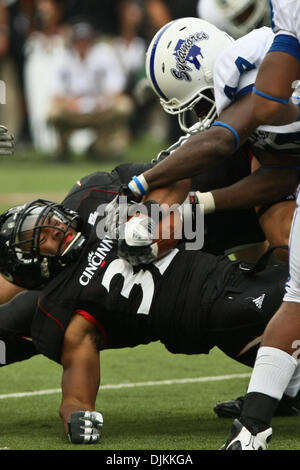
(136, 245)
(116, 212)
(6, 142)
(84, 427)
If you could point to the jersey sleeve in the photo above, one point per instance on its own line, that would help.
(285, 21)
(285, 17)
(236, 69)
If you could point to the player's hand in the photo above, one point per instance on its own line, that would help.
(6, 142)
(116, 212)
(136, 247)
(84, 427)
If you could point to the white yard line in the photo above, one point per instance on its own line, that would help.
(133, 385)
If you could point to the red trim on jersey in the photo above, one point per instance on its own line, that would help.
(49, 315)
(250, 155)
(99, 190)
(95, 322)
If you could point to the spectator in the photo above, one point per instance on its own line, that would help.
(48, 36)
(87, 88)
(103, 13)
(129, 44)
(130, 47)
(14, 28)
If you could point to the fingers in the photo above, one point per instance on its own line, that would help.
(84, 427)
(137, 255)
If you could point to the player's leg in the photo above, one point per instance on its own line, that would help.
(15, 324)
(277, 360)
(239, 316)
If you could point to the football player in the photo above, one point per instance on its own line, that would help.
(236, 17)
(187, 61)
(223, 232)
(86, 299)
(278, 357)
(199, 71)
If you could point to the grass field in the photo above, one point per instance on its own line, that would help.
(150, 399)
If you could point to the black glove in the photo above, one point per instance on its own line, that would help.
(84, 427)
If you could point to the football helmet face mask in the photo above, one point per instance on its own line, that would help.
(22, 260)
(179, 66)
(236, 17)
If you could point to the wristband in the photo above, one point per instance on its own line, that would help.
(207, 200)
(231, 129)
(138, 185)
(270, 97)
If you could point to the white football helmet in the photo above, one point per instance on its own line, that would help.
(236, 17)
(179, 66)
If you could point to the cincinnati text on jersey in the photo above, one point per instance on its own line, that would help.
(95, 258)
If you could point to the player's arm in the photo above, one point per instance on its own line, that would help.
(80, 382)
(135, 243)
(274, 85)
(204, 150)
(264, 186)
(276, 224)
(276, 218)
(7, 290)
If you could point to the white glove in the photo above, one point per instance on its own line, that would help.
(116, 212)
(6, 142)
(84, 427)
(137, 247)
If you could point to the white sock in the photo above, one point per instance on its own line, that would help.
(294, 384)
(272, 372)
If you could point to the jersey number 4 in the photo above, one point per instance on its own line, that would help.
(243, 65)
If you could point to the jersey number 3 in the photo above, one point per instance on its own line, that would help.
(142, 278)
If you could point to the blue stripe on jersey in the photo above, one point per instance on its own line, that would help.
(152, 59)
(286, 43)
(244, 91)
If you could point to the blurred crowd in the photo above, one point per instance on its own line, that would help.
(74, 70)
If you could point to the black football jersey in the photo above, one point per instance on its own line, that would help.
(129, 306)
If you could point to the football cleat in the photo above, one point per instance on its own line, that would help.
(232, 408)
(240, 438)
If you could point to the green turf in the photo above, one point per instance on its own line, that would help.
(38, 175)
(168, 417)
(175, 417)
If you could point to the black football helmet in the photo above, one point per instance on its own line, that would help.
(21, 259)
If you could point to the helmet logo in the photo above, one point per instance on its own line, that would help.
(187, 52)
